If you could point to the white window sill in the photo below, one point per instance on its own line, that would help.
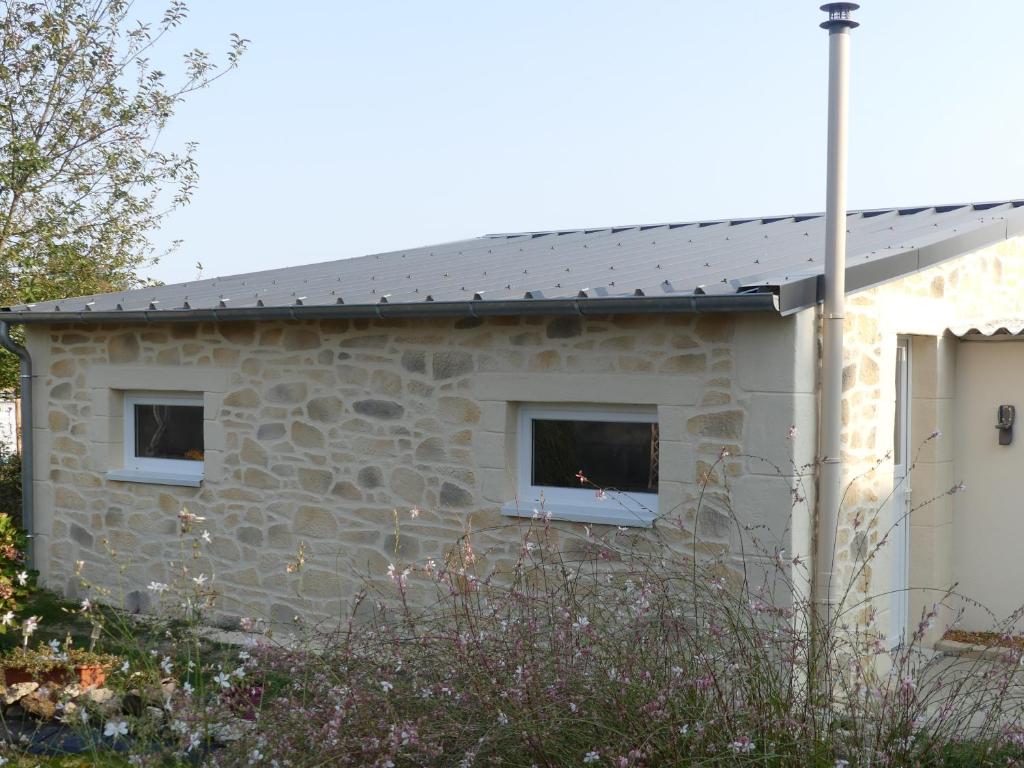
(155, 478)
(607, 512)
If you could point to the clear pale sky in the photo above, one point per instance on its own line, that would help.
(357, 127)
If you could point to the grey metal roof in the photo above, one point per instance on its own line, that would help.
(733, 264)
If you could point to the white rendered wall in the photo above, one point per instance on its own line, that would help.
(988, 519)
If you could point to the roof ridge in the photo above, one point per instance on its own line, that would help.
(733, 221)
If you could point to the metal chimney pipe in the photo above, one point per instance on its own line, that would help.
(830, 423)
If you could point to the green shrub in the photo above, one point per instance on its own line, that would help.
(10, 485)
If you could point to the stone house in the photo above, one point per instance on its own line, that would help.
(310, 405)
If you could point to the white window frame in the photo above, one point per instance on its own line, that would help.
(161, 471)
(578, 504)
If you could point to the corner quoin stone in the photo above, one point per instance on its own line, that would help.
(724, 424)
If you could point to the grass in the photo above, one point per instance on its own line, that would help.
(57, 620)
(107, 760)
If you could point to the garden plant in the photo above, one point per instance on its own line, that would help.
(620, 647)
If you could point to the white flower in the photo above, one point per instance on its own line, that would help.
(158, 587)
(223, 680)
(7, 619)
(200, 579)
(54, 646)
(125, 667)
(582, 622)
(386, 686)
(243, 655)
(502, 718)
(166, 665)
(591, 757)
(187, 688)
(194, 740)
(840, 763)
(29, 626)
(115, 728)
(23, 578)
(742, 745)
(83, 714)
(87, 605)
(414, 513)
(255, 756)
(206, 536)
(239, 672)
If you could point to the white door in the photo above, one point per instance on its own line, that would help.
(899, 538)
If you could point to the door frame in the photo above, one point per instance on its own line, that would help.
(902, 495)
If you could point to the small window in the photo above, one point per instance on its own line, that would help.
(615, 449)
(163, 435)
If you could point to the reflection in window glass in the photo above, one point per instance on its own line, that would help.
(169, 432)
(612, 454)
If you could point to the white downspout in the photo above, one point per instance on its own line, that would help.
(830, 424)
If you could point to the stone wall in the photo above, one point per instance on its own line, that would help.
(981, 288)
(325, 433)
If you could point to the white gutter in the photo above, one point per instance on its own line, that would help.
(830, 424)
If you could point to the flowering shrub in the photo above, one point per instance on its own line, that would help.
(625, 649)
(622, 654)
(16, 581)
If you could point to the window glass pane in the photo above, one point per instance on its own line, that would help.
(612, 454)
(169, 432)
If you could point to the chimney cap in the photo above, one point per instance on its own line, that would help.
(839, 15)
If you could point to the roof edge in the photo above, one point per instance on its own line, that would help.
(752, 302)
(809, 291)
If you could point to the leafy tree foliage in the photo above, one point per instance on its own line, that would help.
(83, 181)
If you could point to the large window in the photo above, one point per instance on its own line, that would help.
(163, 435)
(589, 464)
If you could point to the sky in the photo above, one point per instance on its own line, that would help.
(355, 127)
